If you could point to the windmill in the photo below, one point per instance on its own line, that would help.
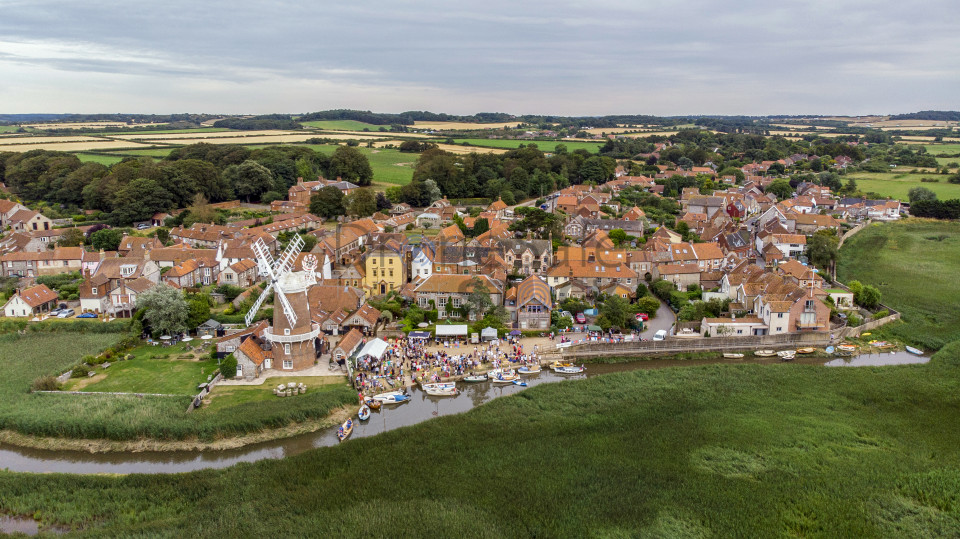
(293, 332)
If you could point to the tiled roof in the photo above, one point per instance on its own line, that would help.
(37, 295)
(350, 341)
(534, 288)
(250, 347)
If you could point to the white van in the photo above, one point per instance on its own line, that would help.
(660, 335)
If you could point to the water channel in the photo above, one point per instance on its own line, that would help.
(420, 408)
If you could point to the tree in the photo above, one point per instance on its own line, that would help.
(201, 211)
(478, 302)
(71, 237)
(107, 239)
(480, 226)
(822, 248)
(616, 311)
(249, 179)
(165, 308)
(539, 222)
(869, 297)
(228, 366)
(382, 202)
(199, 310)
(431, 191)
(349, 164)
(138, 201)
(649, 305)
(327, 202)
(781, 188)
(362, 202)
(918, 194)
(306, 169)
(617, 236)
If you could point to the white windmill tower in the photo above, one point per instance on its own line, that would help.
(293, 333)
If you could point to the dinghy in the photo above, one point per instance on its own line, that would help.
(557, 364)
(786, 355)
(569, 370)
(503, 377)
(345, 430)
(440, 389)
(529, 369)
(364, 413)
(374, 405)
(392, 397)
(728, 355)
(828, 349)
(473, 378)
(519, 382)
(764, 353)
(915, 351)
(807, 350)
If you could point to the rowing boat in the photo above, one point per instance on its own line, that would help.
(503, 376)
(569, 370)
(440, 389)
(728, 355)
(519, 382)
(475, 378)
(847, 349)
(807, 350)
(764, 353)
(345, 430)
(915, 351)
(364, 413)
(392, 397)
(557, 364)
(786, 355)
(374, 405)
(529, 369)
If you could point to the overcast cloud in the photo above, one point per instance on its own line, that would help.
(571, 58)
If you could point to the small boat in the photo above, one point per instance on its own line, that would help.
(569, 370)
(828, 349)
(786, 355)
(440, 389)
(345, 430)
(529, 369)
(373, 404)
(915, 351)
(847, 349)
(867, 334)
(392, 397)
(364, 413)
(764, 353)
(557, 364)
(728, 355)
(807, 350)
(475, 378)
(503, 377)
(519, 382)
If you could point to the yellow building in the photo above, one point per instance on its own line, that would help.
(384, 268)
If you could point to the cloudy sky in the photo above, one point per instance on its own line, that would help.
(572, 58)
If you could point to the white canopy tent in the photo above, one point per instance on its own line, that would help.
(488, 334)
(451, 331)
(374, 348)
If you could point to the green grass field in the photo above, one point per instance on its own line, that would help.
(154, 370)
(102, 159)
(718, 451)
(897, 185)
(344, 125)
(390, 167)
(916, 272)
(544, 145)
(151, 152)
(949, 149)
(9, 128)
(947, 160)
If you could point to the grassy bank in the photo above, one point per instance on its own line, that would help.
(914, 264)
(898, 184)
(242, 411)
(720, 451)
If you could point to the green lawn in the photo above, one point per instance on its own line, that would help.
(897, 185)
(344, 125)
(544, 145)
(102, 159)
(151, 152)
(155, 369)
(227, 397)
(916, 272)
(718, 451)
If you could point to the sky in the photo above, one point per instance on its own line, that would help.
(754, 57)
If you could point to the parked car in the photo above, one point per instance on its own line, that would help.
(66, 314)
(55, 312)
(581, 319)
(566, 314)
(143, 226)
(660, 335)
(87, 315)
(642, 317)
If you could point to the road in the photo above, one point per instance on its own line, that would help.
(664, 320)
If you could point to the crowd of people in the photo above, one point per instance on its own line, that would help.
(411, 361)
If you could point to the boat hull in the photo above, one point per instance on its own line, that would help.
(364, 413)
(529, 370)
(915, 351)
(568, 370)
(764, 353)
(446, 389)
(733, 356)
(475, 379)
(345, 430)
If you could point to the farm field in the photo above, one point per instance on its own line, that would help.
(914, 264)
(106, 160)
(171, 131)
(461, 125)
(947, 160)
(192, 133)
(10, 140)
(9, 128)
(718, 451)
(98, 144)
(153, 369)
(149, 152)
(344, 125)
(949, 149)
(390, 167)
(897, 185)
(543, 145)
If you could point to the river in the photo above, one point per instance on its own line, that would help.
(420, 408)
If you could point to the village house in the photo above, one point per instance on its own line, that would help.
(228, 344)
(384, 268)
(123, 296)
(526, 256)
(449, 292)
(347, 345)
(29, 220)
(254, 355)
(33, 301)
(532, 303)
(242, 274)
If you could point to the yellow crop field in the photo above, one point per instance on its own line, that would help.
(73, 146)
(368, 134)
(462, 125)
(453, 148)
(8, 140)
(87, 125)
(188, 135)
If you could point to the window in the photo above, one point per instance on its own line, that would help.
(94, 290)
(287, 364)
(286, 349)
(286, 331)
(808, 306)
(391, 270)
(441, 301)
(391, 263)
(422, 301)
(779, 315)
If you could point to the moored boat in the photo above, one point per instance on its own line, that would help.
(345, 430)
(440, 389)
(915, 351)
(519, 382)
(786, 355)
(373, 404)
(473, 378)
(364, 413)
(392, 397)
(807, 350)
(529, 369)
(729, 355)
(847, 349)
(557, 364)
(765, 353)
(828, 350)
(569, 370)
(503, 376)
